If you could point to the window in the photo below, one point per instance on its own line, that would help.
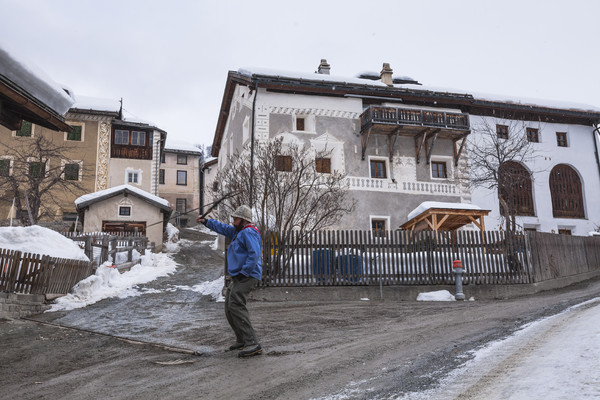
(502, 131)
(5, 167)
(378, 227)
(161, 176)
(182, 177)
(162, 157)
(72, 172)
(561, 139)
(323, 165)
(181, 159)
(75, 133)
(533, 135)
(515, 187)
(378, 169)
(36, 168)
(132, 177)
(438, 169)
(181, 206)
(69, 216)
(300, 123)
(283, 163)
(564, 232)
(125, 211)
(566, 192)
(26, 129)
(121, 136)
(138, 138)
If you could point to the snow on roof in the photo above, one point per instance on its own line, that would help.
(108, 105)
(177, 145)
(38, 240)
(106, 193)
(426, 205)
(422, 88)
(30, 78)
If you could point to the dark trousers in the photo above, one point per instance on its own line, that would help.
(236, 311)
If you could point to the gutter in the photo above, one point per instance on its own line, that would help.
(596, 134)
(252, 147)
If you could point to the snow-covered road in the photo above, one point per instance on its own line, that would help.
(553, 358)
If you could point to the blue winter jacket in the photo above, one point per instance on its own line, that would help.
(244, 251)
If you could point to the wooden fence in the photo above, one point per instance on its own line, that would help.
(423, 258)
(36, 274)
(102, 246)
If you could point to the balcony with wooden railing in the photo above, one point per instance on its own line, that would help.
(424, 125)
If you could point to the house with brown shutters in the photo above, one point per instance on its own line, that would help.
(401, 143)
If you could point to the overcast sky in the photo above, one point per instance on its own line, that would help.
(168, 60)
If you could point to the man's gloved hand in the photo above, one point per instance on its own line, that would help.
(201, 220)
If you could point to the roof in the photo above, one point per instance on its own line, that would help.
(26, 92)
(91, 198)
(176, 146)
(408, 93)
(433, 215)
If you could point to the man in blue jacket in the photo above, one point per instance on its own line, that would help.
(244, 265)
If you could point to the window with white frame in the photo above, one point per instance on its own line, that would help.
(73, 170)
(77, 132)
(133, 176)
(378, 168)
(181, 177)
(441, 167)
(124, 211)
(379, 225)
(26, 129)
(6, 166)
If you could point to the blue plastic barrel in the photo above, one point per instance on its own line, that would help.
(349, 266)
(322, 260)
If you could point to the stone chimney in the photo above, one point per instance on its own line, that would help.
(386, 74)
(324, 68)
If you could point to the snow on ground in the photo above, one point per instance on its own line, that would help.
(38, 240)
(209, 288)
(553, 358)
(440, 295)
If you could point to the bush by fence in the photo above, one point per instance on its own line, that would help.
(422, 258)
(36, 274)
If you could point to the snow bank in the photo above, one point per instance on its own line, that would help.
(440, 295)
(38, 240)
(109, 282)
(209, 288)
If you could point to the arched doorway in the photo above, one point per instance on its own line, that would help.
(566, 192)
(515, 187)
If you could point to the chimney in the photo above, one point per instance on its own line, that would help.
(324, 68)
(386, 74)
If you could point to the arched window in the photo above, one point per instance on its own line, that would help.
(514, 186)
(566, 192)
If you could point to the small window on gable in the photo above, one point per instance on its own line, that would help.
(125, 211)
(323, 165)
(533, 135)
(502, 131)
(75, 133)
(378, 169)
(283, 163)
(300, 123)
(561, 139)
(26, 129)
(438, 170)
(181, 159)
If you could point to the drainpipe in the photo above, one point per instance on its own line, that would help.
(201, 183)
(596, 134)
(252, 147)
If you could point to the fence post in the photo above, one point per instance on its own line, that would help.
(113, 248)
(104, 250)
(130, 251)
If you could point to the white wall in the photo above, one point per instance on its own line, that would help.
(579, 155)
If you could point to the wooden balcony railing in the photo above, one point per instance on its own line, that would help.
(408, 116)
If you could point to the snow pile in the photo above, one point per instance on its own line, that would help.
(212, 288)
(172, 233)
(440, 295)
(109, 282)
(38, 240)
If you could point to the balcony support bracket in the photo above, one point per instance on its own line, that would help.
(364, 141)
(428, 149)
(458, 152)
(419, 142)
(392, 142)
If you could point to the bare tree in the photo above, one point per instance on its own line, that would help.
(498, 149)
(289, 188)
(40, 174)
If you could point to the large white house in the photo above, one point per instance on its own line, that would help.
(401, 143)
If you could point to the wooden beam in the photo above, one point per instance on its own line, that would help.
(428, 152)
(364, 141)
(419, 145)
(458, 153)
(393, 143)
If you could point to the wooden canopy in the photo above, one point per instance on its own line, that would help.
(445, 219)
